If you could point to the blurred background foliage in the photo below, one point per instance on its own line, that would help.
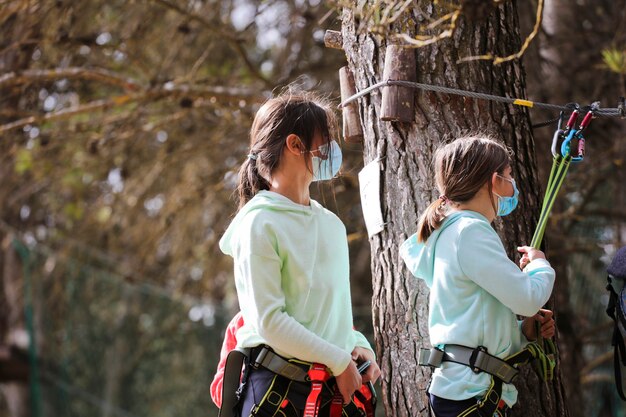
(165, 92)
(122, 126)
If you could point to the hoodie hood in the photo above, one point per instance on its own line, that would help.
(263, 200)
(419, 257)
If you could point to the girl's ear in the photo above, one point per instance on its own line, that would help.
(498, 185)
(294, 144)
(494, 180)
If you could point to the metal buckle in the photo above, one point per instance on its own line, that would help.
(258, 361)
(430, 357)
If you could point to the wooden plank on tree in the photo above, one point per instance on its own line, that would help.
(352, 130)
(398, 102)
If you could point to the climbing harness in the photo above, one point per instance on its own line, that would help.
(502, 371)
(324, 397)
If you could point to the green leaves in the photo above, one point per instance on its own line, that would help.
(23, 161)
(615, 60)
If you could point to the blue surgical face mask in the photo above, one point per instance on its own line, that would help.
(326, 169)
(507, 204)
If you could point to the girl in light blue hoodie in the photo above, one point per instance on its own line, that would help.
(476, 291)
(291, 259)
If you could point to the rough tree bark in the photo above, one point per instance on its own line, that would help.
(400, 302)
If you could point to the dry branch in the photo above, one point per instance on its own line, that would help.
(420, 41)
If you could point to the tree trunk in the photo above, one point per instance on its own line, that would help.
(400, 302)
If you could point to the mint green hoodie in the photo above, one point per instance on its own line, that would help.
(292, 277)
(475, 293)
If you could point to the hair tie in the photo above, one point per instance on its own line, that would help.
(252, 156)
(444, 199)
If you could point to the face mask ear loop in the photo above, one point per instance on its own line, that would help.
(512, 181)
(303, 148)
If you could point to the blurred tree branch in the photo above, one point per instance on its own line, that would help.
(165, 91)
(227, 35)
(12, 79)
(585, 374)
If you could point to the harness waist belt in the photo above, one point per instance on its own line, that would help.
(477, 359)
(279, 365)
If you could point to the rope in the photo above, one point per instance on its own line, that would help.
(606, 112)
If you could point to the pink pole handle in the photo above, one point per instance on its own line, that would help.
(586, 120)
(572, 119)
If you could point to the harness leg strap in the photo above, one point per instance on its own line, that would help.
(318, 375)
(230, 383)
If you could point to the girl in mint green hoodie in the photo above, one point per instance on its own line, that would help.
(476, 291)
(291, 254)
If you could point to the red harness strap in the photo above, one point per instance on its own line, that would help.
(336, 406)
(364, 399)
(319, 375)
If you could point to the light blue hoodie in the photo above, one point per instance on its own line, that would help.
(475, 293)
(292, 277)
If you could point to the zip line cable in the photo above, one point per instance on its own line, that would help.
(605, 112)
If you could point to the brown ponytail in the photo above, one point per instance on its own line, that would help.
(250, 182)
(431, 219)
(462, 167)
(301, 113)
